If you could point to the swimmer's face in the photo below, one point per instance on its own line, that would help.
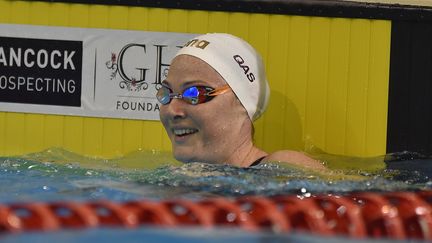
(207, 132)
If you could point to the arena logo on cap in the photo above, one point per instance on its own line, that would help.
(202, 44)
(241, 62)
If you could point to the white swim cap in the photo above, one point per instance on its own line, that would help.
(238, 63)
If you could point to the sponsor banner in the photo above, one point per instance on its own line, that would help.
(84, 72)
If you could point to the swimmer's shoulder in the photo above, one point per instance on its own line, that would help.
(295, 158)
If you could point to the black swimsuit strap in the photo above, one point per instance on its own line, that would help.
(257, 162)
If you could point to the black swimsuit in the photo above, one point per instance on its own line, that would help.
(257, 162)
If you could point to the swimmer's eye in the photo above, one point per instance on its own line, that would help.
(192, 95)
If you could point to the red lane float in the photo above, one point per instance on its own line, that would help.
(397, 215)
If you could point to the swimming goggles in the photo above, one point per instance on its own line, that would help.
(192, 95)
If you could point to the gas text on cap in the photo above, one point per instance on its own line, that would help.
(240, 61)
(197, 43)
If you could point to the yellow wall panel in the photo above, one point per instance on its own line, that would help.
(157, 19)
(79, 15)
(38, 13)
(93, 136)
(328, 78)
(271, 132)
(357, 86)
(137, 18)
(112, 137)
(54, 131)
(218, 22)
(15, 133)
(165, 142)
(5, 7)
(178, 20)
(34, 132)
(98, 16)
(337, 86)
(316, 94)
(379, 63)
(153, 135)
(59, 17)
(3, 128)
(259, 23)
(132, 135)
(238, 24)
(19, 12)
(198, 22)
(296, 83)
(118, 17)
(260, 42)
(73, 134)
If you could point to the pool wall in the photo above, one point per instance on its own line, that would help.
(328, 65)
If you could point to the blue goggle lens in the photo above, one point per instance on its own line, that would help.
(163, 95)
(192, 95)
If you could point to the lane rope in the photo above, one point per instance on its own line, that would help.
(396, 215)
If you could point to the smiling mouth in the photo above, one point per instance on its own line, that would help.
(184, 131)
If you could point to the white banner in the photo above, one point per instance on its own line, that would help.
(84, 72)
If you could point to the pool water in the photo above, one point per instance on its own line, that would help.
(59, 175)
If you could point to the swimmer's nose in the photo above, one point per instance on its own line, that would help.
(176, 109)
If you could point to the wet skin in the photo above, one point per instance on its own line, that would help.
(218, 131)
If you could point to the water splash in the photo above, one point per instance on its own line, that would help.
(57, 174)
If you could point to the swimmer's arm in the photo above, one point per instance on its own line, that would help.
(295, 158)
